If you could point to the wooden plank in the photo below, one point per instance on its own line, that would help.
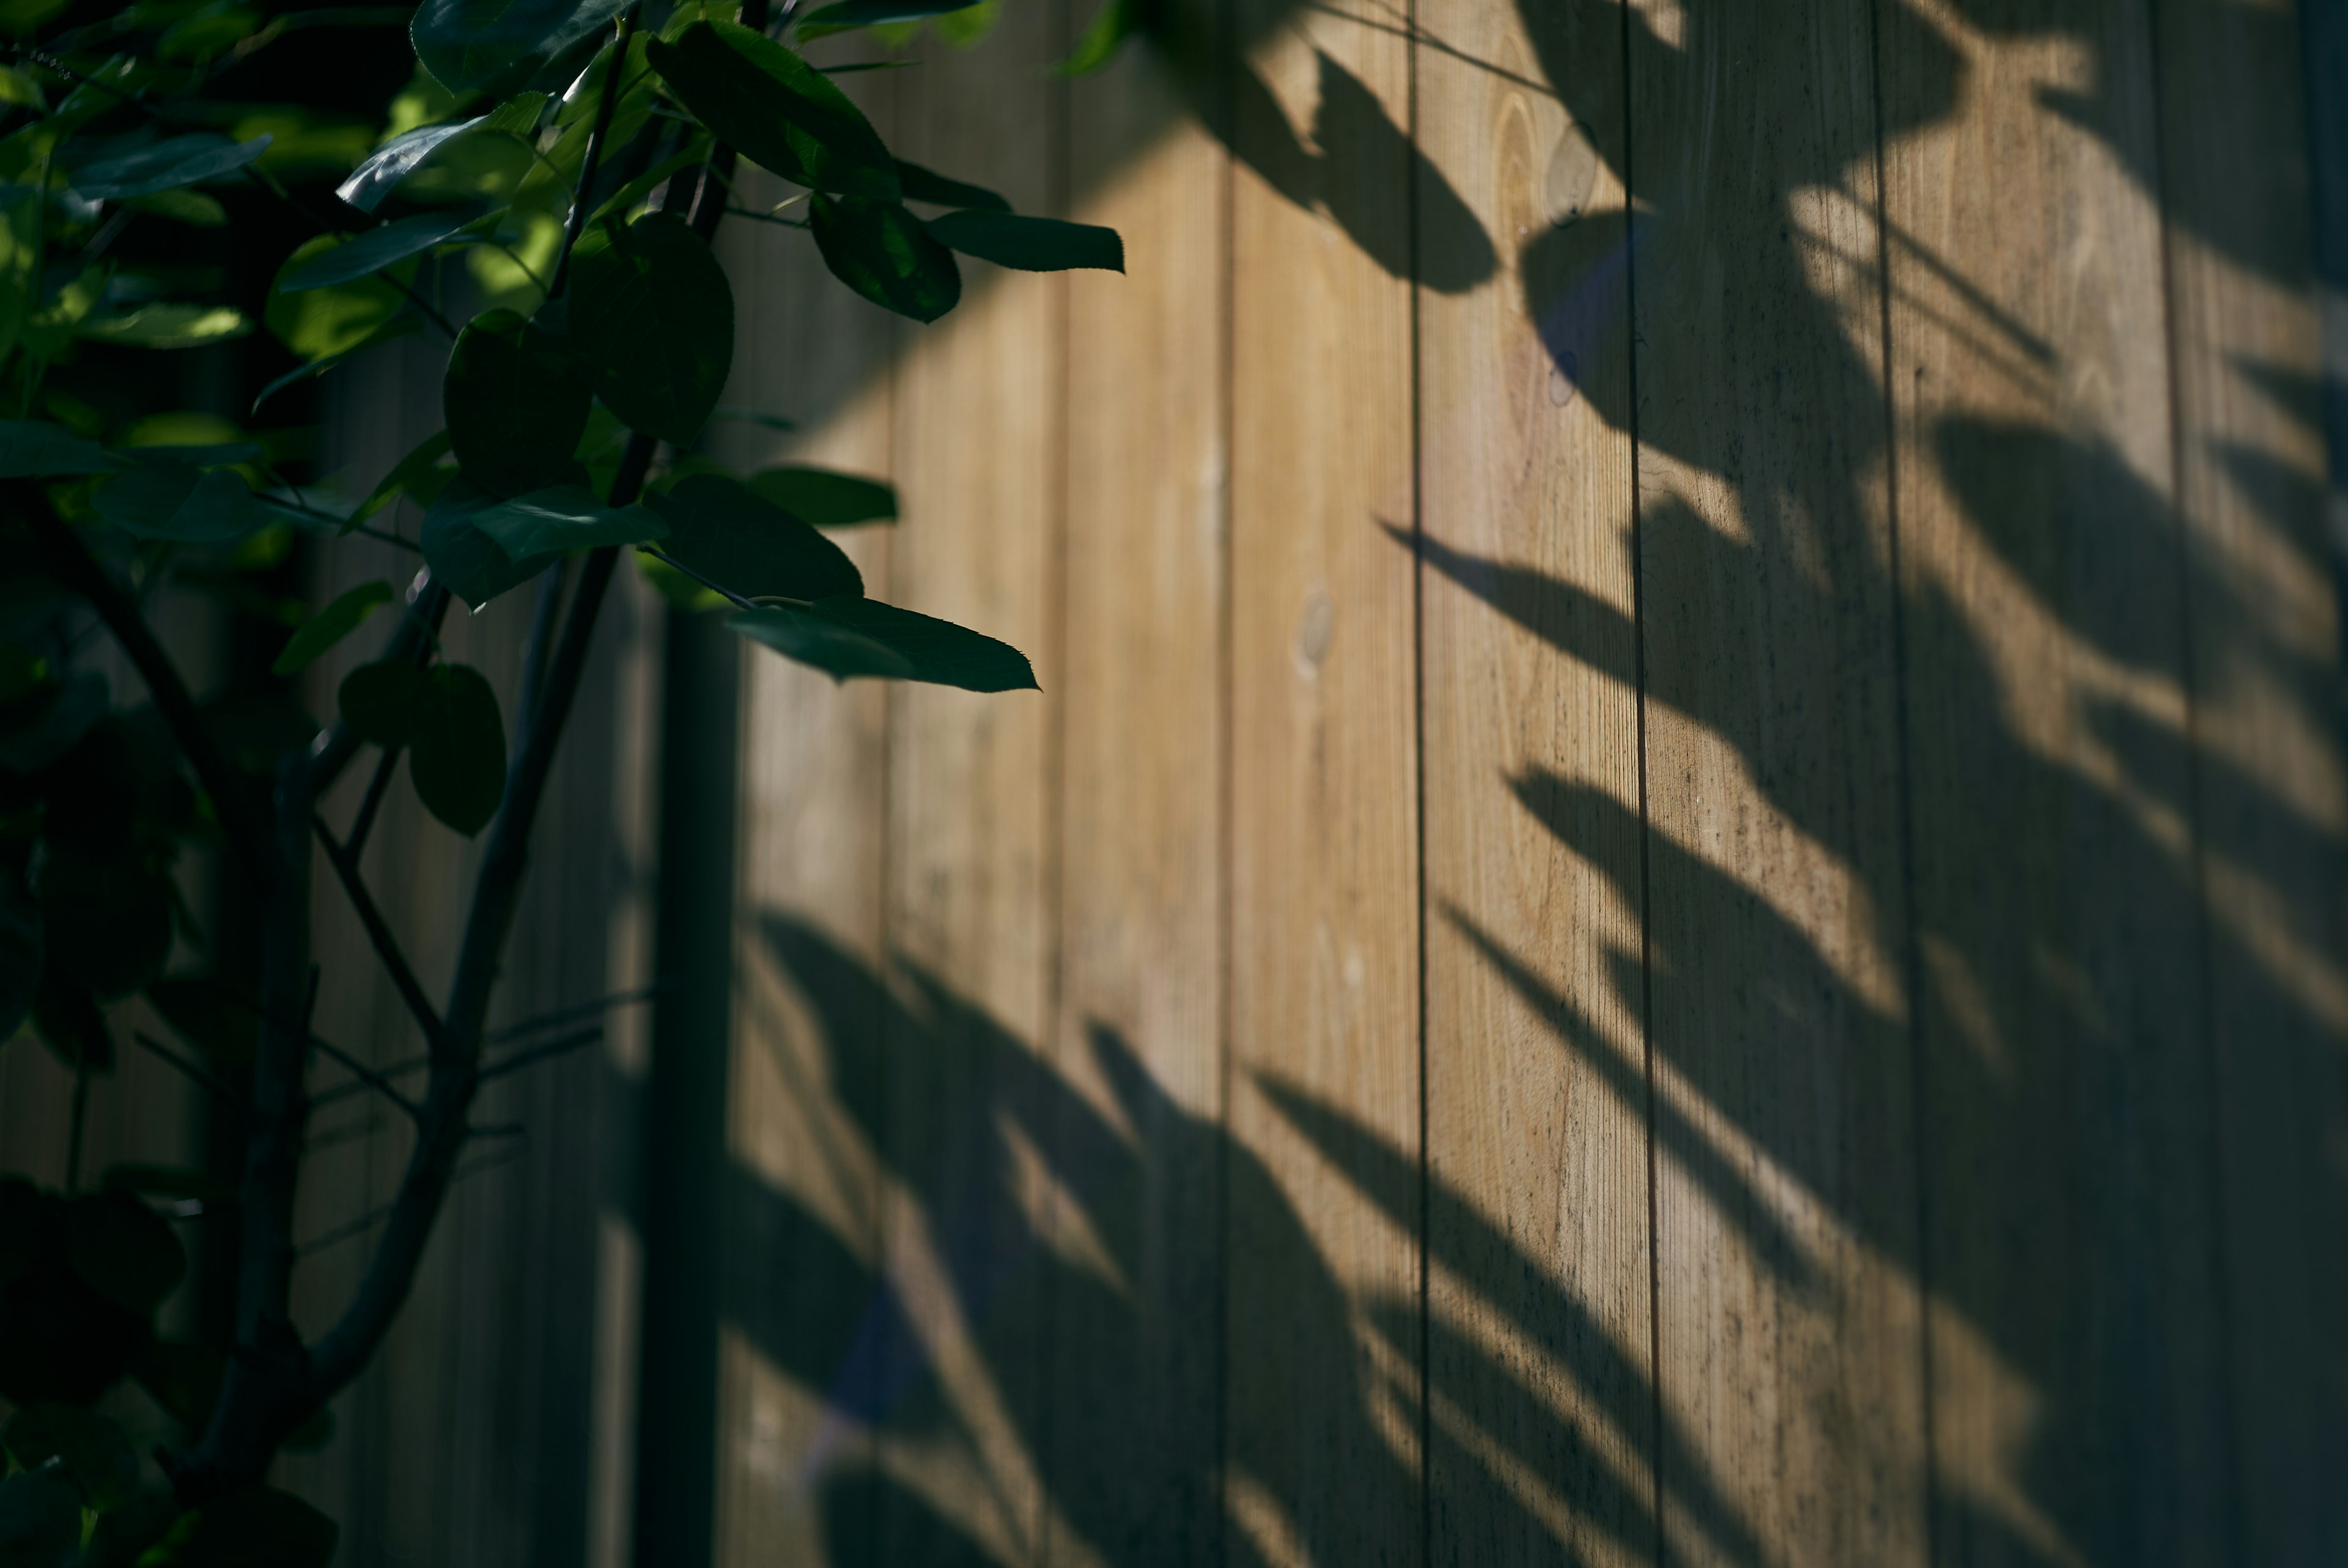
(2078, 1397)
(1787, 1325)
(1540, 1378)
(971, 920)
(804, 1188)
(1324, 1459)
(1135, 1144)
(2263, 621)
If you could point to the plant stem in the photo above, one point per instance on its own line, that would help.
(603, 111)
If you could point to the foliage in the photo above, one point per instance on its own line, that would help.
(573, 157)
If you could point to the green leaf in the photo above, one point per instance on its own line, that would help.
(169, 324)
(1111, 25)
(776, 109)
(20, 956)
(850, 14)
(40, 1523)
(399, 326)
(259, 1527)
(845, 637)
(564, 518)
(1030, 244)
(466, 560)
(730, 535)
(652, 323)
(375, 248)
(515, 410)
(381, 170)
(318, 323)
(35, 739)
(176, 501)
(209, 1016)
(20, 258)
(379, 701)
(184, 1378)
(928, 185)
(419, 476)
(882, 251)
(457, 758)
(193, 208)
(825, 498)
(484, 162)
(167, 165)
(32, 447)
(474, 44)
(92, 1449)
(331, 625)
(123, 1249)
(629, 196)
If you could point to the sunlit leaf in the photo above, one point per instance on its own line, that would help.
(776, 109)
(362, 255)
(1030, 244)
(883, 253)
(477, 43)
(169, 324)
(392, 162)
(322, 323)
(193, 208)
(331, 625)
(652, 323)
(457, 755)
(731, 536)
(485, 162)
(845, 637)
(1115, 21)
(180, 161)
(826, 498)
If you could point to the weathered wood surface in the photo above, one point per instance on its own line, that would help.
(1675, 895)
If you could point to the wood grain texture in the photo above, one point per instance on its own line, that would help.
(2271, 785)
(805, 1185)
(2078, 1379)
(971, 911)
(1788, 1327)
(1539, 1305)
(1322, 1439)
(1132, 1432)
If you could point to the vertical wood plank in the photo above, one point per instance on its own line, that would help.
(805, 1189)
(2263, 629)
(971, 911)
(1539, 1305)
(1322, 1439)
(1788, 1328)
(2079, 1404)
(1141, 840)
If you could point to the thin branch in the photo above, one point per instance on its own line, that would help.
(201, 1079)
(595, 154)
(368, 1076)
(767, 217)
(542, 638)
(377, 786)
(535, 1054)
(411, 640)
(714, 586)
(239, 818)
(387, 946)
(376, 1216)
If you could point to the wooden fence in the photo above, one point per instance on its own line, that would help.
(1676, 894)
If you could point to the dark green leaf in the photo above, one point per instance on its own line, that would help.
(107, 920)
(882, 251)
(652, 323)
(208, 1015)
(776, 109)
(515, 411)
(193, 208)
(849, 14)
(399, 326)
(375, 248)
(564, 518)
(463, 558)
(28, 1227)
(846, 637)
(1114, 21)
(38, 737)
(40, 1523)
(419, 476)
(458, 757)
(731, 536)
(1030, 244)
(180, 160)
(123, 1249)
(123, 1534)
(331, 625)
(184, 1378)
(92, 1449)
(928, 185)
(379, 701)
(176, 501)
(825, 498)
(32, 447)
(259, 1527)
(20, 954)
(473, 43)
